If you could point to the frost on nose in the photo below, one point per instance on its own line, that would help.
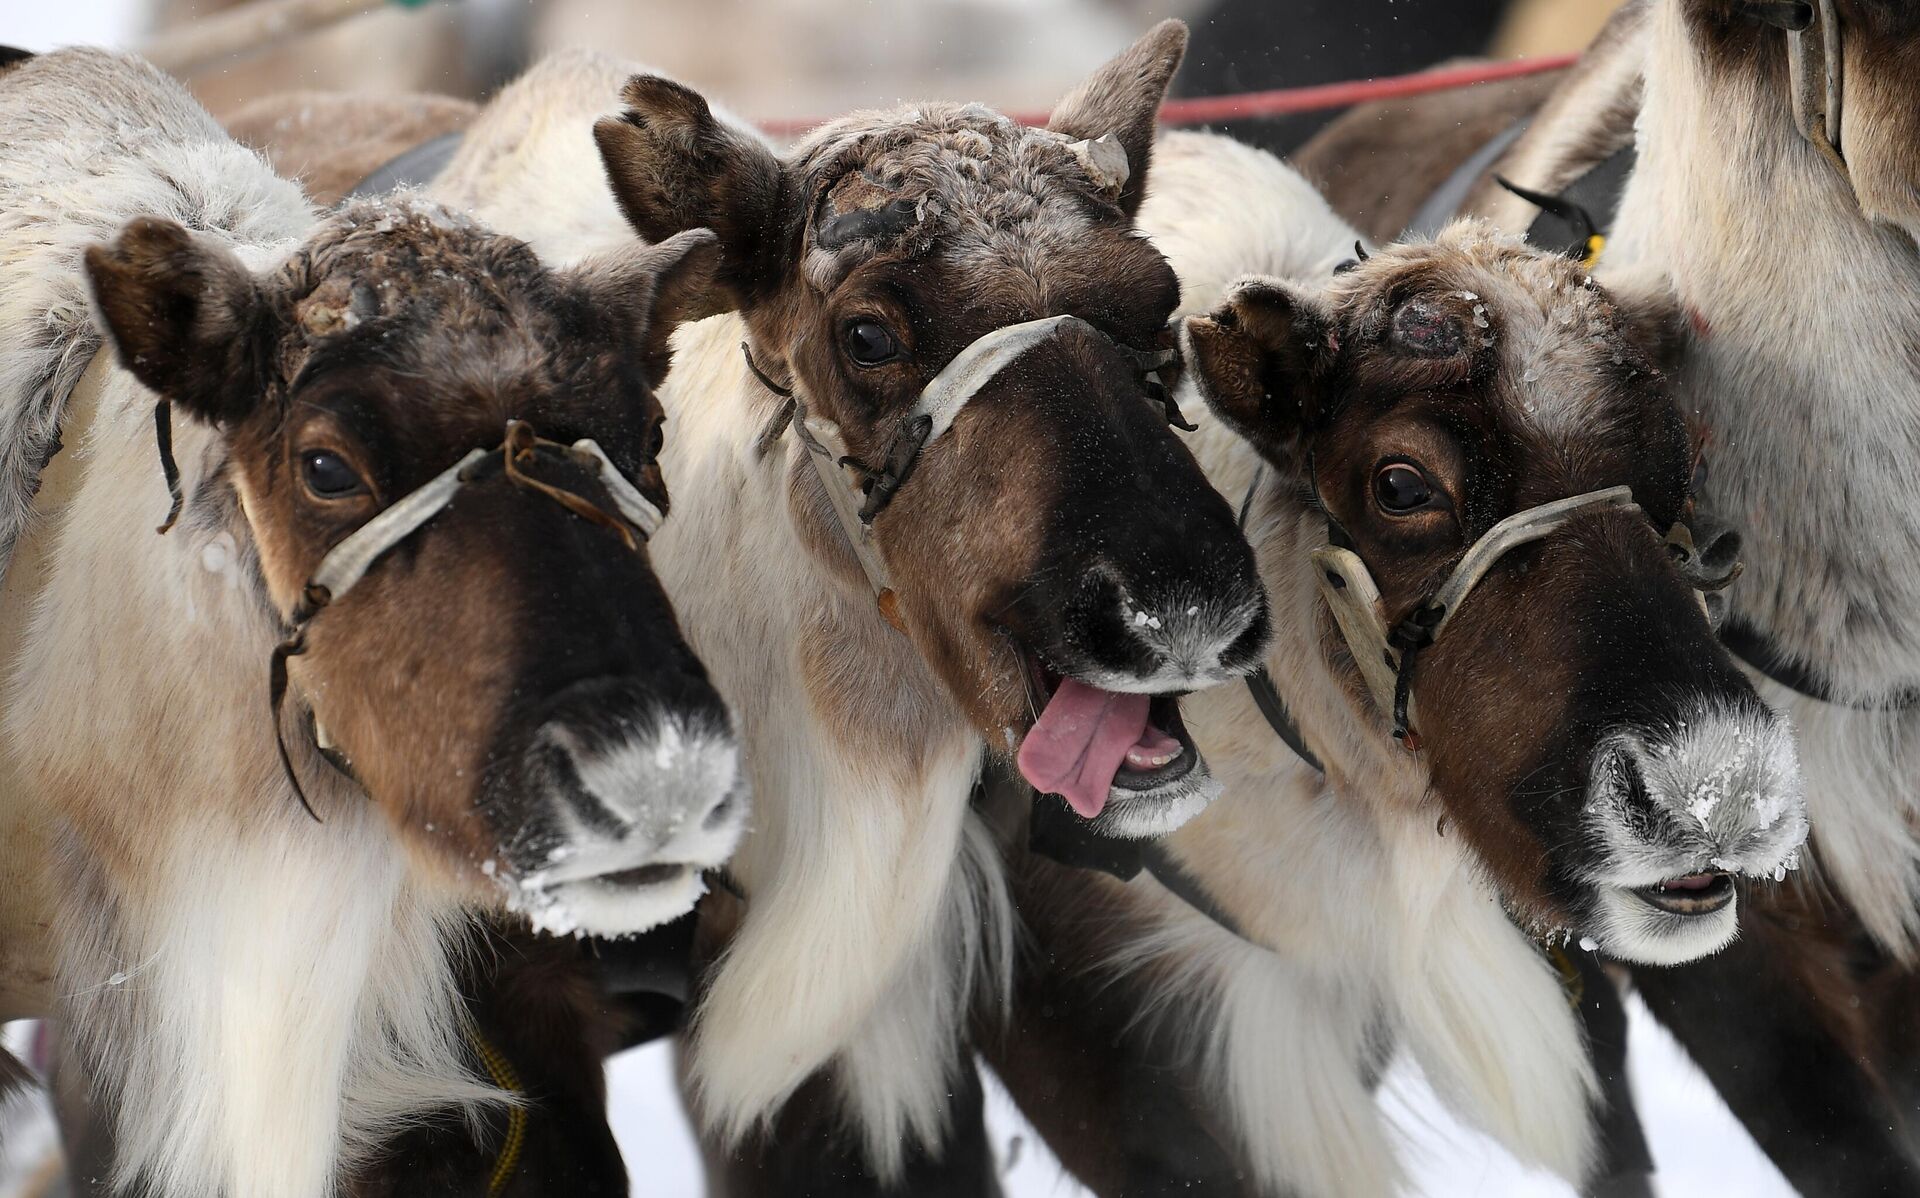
(639, 820)
(1727, 782)
(1195, 640)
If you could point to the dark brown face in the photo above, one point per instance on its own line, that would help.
(1744, 47)
(508, 681)
(1057, 555)
(1582, 725)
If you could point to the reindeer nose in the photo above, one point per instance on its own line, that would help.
(1141, 634)
(643, 767)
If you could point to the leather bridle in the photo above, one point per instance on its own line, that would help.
(939, 404)
(347, 563)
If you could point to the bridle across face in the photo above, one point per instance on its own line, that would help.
(940, 402)
(634, 520)
(1385, 654)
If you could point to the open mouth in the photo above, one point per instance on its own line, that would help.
(1693, 894)
(1087, 742)
(645, 875)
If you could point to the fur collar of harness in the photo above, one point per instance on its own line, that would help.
(1371, 925)
(1804, 304)
(876, 908)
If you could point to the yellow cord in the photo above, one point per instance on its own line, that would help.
(1595, 245)
(503, 1076)
(1572, 984)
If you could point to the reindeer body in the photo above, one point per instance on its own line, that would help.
(195, 931)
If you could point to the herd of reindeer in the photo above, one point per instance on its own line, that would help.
(1090, 602)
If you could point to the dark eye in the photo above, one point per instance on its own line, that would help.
(657, 439)
(1399, 488)
(328, 476)
(869, 344)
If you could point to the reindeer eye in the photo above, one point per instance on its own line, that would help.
(1400, 488)
(328, 476)
(869, 343)
(657, 439)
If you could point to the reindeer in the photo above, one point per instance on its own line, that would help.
(1017, 557)
(1773, 192)
(404, 583)
(1461, 423)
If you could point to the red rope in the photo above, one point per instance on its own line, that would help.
(1203, 110)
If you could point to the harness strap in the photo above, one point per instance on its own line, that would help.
(412, 167)
(933, 412)
(1266, 696)
(348, 562)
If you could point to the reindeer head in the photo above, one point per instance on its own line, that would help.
(1055, 554)
(507, 679)
(1582, 725)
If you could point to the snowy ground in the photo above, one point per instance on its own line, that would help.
(1699, 1146)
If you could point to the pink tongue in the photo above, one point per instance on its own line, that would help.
(1076, 746)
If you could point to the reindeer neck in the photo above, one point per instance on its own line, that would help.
(1802, 361)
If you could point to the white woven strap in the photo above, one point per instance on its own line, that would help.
(638, 510)
(1352, 596)
(347, 563)
(976, 365)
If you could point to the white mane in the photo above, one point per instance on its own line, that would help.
(873, 911)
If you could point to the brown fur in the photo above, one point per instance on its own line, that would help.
(1498, 687)
(201, 330)
(329, 141)
(1377, 163)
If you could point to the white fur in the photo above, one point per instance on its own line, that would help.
(851, 866)
(265, 996)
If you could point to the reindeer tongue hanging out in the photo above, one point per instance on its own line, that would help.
(1084, 737)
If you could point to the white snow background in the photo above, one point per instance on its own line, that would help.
(1699, 1146)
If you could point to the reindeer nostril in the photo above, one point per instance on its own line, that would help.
(722, 811)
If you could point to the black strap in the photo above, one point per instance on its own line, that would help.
(410, 168)
(1274, 708)
(1752, 646)
(1056, 832)
(1260, 685)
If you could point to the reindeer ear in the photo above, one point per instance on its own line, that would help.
(1123, 98)
(674, 167)
(186, 315)
(1256, 360)
(1651, 314)
(657, 288)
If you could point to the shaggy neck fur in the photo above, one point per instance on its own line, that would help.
(1369, 927)
(256, 999)
(874, 906)
(1803, 362)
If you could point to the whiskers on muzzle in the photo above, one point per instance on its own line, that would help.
(638, 810)
(1181, 641)
(1675, 814)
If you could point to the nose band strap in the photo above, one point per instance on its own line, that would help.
(348, 562)
(933, 412)
(1385, 655)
